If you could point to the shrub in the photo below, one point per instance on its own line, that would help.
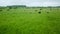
(0, 10)
(40, 9)
(39, 12)
(47, 12)
(35, 10)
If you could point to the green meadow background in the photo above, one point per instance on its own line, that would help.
(30, 21)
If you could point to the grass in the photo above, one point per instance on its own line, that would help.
(29, 21)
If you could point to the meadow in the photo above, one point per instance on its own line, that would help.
(30, 21)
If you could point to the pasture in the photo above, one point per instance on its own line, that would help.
(30, 21)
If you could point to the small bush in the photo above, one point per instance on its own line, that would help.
(40, 9)
(0, 10)
(39, 12)
(10, 7)
(35, 10)
(47, 12)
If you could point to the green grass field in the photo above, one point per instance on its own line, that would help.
(30, 21)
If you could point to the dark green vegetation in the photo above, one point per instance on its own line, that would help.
(30, 21)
